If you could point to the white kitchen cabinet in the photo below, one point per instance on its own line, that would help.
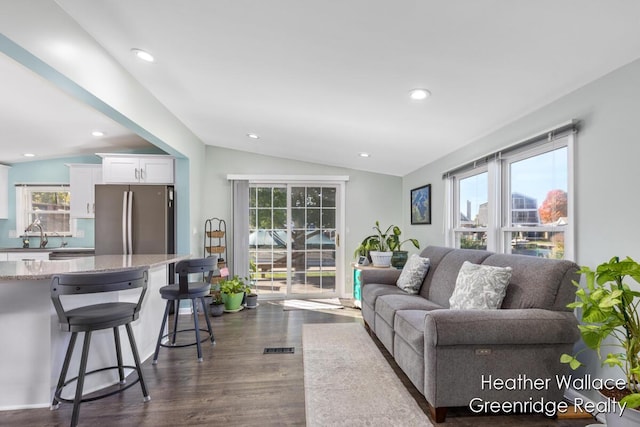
(4, 191)
(3, 256)
(28, 256)
(139, 169)
(82, 181)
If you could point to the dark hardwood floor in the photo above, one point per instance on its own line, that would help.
(236, 385)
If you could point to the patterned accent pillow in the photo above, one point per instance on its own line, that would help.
(480, 287)
(413, 273)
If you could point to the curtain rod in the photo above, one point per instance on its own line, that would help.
(549, 134)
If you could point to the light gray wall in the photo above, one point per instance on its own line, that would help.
(369, 196)
(607, 171)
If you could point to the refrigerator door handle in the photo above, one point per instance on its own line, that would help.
(124, 222)
(129, 224)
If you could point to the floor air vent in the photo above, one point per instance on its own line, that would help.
(279, 350)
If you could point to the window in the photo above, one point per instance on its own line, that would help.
(472, 218)
(518, 200)
(537, 184)
(48, 206)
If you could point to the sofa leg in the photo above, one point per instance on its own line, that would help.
(438, 414)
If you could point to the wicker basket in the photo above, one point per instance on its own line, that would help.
(215, 249)
(215, 234)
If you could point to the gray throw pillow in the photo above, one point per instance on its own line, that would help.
(413, 273)
(480, 287)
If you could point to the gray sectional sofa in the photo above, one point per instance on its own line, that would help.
(452, 355)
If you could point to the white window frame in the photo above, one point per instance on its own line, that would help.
(24, 208)
(457, 228)
(506, 228)
(240, 244)
(499, 226)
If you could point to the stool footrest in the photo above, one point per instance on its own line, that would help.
(101, 395)
(183, 345)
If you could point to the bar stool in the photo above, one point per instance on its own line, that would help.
(187, 290)
(93, 317)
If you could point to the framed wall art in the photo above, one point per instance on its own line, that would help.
(421, 205)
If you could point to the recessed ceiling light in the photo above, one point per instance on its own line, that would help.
(29, 155)
(253, 136)
(364, 155)
(143, 54)
(419, 94)
(97, 133)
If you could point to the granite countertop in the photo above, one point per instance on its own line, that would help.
(36, 270)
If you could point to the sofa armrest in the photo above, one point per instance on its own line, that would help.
(383, 276)
(500, 327)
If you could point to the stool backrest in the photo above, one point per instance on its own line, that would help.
(195, 265)
(96, 282)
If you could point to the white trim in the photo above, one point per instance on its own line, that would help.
(137, 156)
(570, 235)
(287, 178)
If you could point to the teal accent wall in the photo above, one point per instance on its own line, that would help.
(43, 172)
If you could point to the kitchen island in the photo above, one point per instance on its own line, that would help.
(32, 344)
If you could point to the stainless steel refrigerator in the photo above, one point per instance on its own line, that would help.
(134, 219)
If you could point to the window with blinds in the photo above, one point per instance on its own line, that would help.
(517, 200)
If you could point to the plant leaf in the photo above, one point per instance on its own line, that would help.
(632, 400)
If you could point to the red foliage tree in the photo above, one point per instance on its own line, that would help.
(554, 206)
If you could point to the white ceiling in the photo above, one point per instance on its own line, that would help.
(38, 118)
(321, 81)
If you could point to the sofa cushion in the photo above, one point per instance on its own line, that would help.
(372, 291)
(435, 255)
(480, 287)
(537, 282)
(413, 273)
(387, 305)
(409, 324)
(444, 277)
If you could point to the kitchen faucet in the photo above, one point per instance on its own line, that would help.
(43, 236)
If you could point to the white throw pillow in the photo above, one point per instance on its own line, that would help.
(480, 287)
(413, 273)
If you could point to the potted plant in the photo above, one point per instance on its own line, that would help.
(233, 290)
(399, 257)
(379, 247)
(610, 318)
(251, 299)
(217, 305)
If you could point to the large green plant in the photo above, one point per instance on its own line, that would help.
(234, 285)
(389, 240)
(609, 315)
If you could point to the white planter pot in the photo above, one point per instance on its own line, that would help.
(381, 259)
(629, 418)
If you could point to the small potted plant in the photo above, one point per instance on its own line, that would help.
(233, 290)
(379, 247)
(217, 305)
(611, 318)
(399, 257)
(251, 299)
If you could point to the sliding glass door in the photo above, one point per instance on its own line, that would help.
(293, 237)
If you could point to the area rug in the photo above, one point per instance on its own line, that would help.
(347, 381)
(312, 304)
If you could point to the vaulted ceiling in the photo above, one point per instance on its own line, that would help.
(323, 81)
